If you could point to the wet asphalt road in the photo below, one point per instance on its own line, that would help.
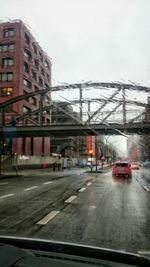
(90, 209)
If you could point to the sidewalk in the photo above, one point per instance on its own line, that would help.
(43, 172)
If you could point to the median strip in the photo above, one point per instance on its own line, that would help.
(30, 188)
(82, 189)
(70, 199)
(5, 196)
(48, 217)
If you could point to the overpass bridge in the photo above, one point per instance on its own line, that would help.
(111, 99)
(75, 130)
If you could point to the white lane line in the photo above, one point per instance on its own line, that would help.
(48, 217)
(70, 199)
(82, 189)
(3, 183)
(30, 188)
(145, 187)
(5, 196)
(49, 182)
(88, 184)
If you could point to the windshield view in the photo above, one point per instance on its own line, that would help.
(75, 122)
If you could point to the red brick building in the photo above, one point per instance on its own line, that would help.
(24, 68)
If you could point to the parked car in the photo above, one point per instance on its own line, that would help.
(122, 168)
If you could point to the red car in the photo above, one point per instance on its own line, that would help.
(122, 168)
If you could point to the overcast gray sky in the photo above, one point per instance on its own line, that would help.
(89, 39)
(103, 40)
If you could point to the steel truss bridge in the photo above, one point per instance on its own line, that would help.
(91, 122)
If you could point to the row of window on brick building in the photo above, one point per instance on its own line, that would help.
(10, 47)
(9, 61)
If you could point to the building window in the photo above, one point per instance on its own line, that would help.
(7, 47)
(6, 91)
(46, 64)
(9, 32)
(42, 71)
(34, 75)
(48, 77)
(27, 83)
(34, 48)
(27, 54)
(36, 88)
(7, 62)
(26, 67)
(41, 57)
(40, 82)
(34, 102)
(27, 38)
(36, 63)
(6, 77)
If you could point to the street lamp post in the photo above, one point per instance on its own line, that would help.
(91, 154)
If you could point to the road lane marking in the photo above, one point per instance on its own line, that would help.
(30, 188)
(50, 182)
(3, 183)
(88, 184)
(5, 196)
(82, 189)
(48, 217)
(145, 187)
(70, 199)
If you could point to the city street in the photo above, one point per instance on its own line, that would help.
(93, 209)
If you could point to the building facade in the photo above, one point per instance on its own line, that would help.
(70, 146)
(24, 68)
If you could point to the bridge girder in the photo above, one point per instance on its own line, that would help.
(74, 130)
